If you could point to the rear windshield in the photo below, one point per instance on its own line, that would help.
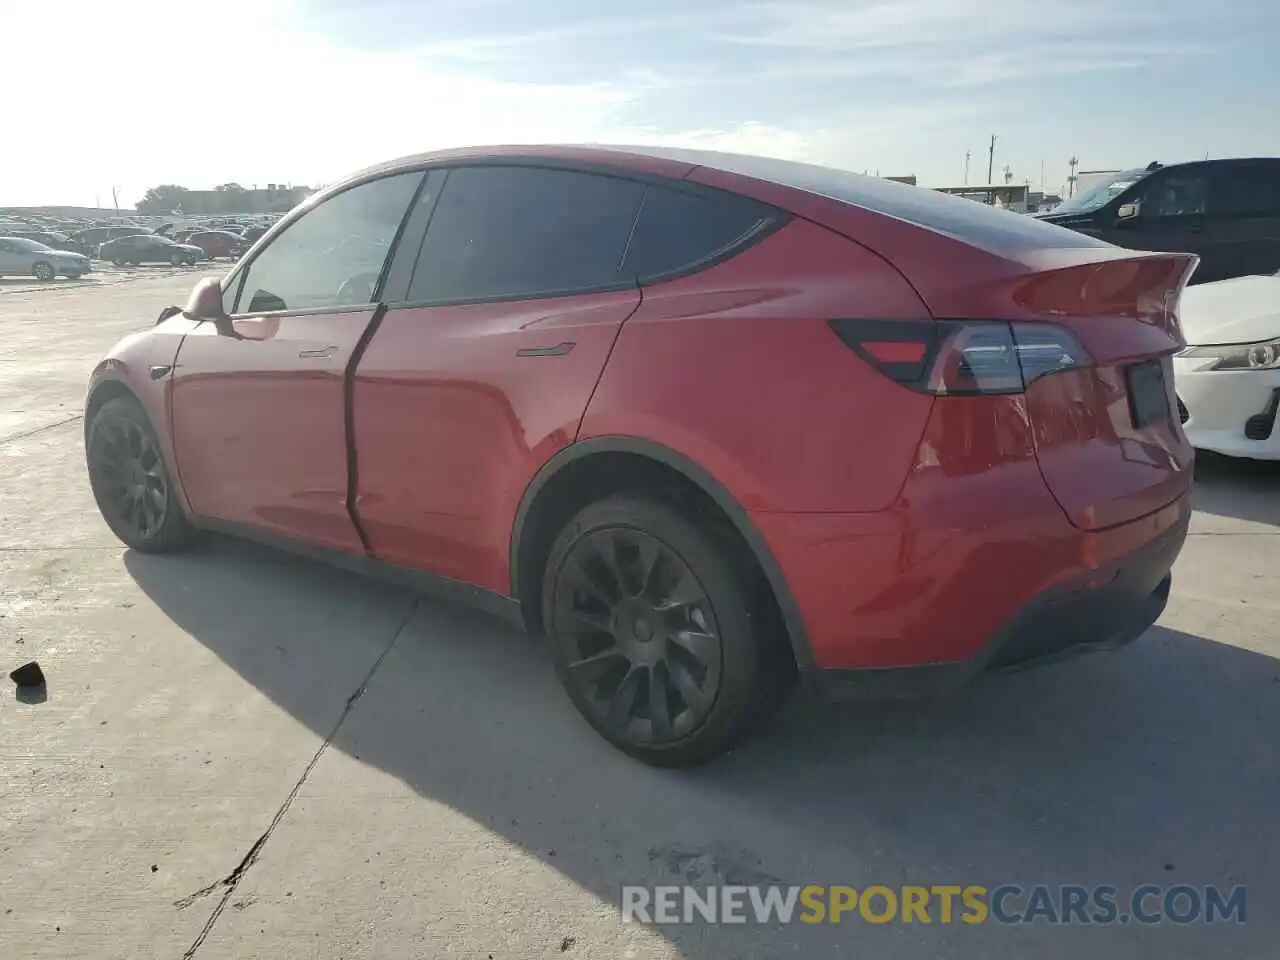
(989, 228)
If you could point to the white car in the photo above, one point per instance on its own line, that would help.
(1228, 377)
(20, 257)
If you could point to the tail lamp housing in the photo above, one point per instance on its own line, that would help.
(963, 357)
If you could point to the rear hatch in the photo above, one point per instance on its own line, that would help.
(1107, 436)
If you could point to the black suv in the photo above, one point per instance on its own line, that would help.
(1227, 211)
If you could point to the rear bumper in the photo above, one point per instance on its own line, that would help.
(1105, 608)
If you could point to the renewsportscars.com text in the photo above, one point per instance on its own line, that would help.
(971, 904)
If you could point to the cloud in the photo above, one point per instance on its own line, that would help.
(306, 90)
(849, 25)
(851, 138)
(247, 96)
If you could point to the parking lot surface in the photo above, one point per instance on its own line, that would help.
(247, 755)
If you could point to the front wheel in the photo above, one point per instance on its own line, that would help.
(662, 634)
(130, 480)
(43, 271)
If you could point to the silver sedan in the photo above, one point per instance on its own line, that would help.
(27, 258)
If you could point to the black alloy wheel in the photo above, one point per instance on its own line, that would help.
(130, 480)
(659, 632)
(644, 645)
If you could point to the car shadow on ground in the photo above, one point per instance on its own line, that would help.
(1239, 489)
(1157, 764)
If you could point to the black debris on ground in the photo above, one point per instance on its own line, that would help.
(28, 675)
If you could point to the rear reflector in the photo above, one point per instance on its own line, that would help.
(963, 357)
(887, 351)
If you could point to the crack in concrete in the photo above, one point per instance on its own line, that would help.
(1235, 533)
(229, 883)
(48, 426)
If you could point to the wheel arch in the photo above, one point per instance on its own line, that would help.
(111, 381)
(534, 527)
(106, 389)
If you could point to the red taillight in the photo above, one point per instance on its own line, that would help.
(964, 357)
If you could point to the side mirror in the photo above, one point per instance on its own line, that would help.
(1128, 211)
(205, 303)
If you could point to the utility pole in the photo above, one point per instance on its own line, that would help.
(1008, 174)
(1072, 178)
(991, 160)
(967, 155)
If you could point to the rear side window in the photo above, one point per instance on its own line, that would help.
(678, 229)
(512, 231)
(1245, 190)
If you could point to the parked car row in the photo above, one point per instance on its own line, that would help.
(217, 238)
(46, 255)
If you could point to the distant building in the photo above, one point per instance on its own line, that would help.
(1007, 196)
(274, 198)
(1041, 202)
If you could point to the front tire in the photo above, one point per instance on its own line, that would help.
(661, 633)
(131, 482)
(43, 271)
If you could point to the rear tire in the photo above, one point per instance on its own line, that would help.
(663, 636)
(131, 482)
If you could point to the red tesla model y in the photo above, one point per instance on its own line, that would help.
(706, 422)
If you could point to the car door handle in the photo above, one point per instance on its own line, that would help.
(320, 353)
(559, 350)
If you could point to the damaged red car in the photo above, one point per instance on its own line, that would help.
(709, 423)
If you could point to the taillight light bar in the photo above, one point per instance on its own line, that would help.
(963, 357)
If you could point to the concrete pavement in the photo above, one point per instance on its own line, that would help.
(244, 755)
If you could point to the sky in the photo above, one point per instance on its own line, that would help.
(134, 93)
